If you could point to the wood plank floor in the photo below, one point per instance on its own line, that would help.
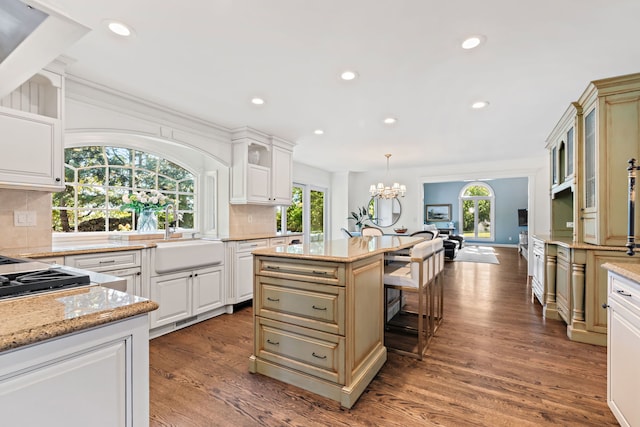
(494, 362)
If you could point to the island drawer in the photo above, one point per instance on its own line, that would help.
(564, 253)
(320, 272)
(311, 352)
(104, 261)
(311, 305)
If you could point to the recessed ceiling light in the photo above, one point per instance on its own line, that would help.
(479, 104)
(257, 101)
(318, 132)
(348, 75)
(119, 28)
(390, 120)
(472, 42)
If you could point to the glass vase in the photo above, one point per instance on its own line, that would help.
(147, 221)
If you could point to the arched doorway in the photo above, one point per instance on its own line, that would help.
(477, 213)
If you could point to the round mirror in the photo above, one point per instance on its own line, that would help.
(384, 212)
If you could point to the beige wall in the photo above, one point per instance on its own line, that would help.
(245, 220)
(22, 237)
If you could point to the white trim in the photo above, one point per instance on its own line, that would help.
(492, 212)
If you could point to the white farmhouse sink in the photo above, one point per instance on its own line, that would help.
(186, 254)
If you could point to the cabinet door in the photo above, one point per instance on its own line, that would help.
(281, 174)
(207, 290)
(622, 364)
(173, 293)
(258, 184)
(27, 134)
(244, 276)
(133, 277)
(563, 289)
(87, 387)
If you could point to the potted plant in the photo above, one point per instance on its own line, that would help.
(360, 215)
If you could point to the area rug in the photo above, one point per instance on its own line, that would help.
(484, 254)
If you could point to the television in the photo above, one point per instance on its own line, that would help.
(523, 216)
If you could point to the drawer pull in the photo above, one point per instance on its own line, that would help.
(111, 261)
(273, 267)
(273, 342)
(324, 273)
(623, 293)
(319, 308)
(319, 357)
(273, 299)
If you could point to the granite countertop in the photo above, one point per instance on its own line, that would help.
(629, 270)
(98, 246)
(568, 242)
(239, 237)
(343, 250)
(31, 319)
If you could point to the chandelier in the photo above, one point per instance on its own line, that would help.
(382, 191)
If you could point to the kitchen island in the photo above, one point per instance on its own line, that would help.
(319, 314)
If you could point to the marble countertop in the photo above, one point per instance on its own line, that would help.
(627, 269)
(31, 319)
(342, 250)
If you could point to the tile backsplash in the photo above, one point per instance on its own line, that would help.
(251, 219)
(38, 202)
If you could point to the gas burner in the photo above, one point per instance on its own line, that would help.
(18, 284)
(4, 260)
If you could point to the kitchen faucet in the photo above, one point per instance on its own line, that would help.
(167, 227)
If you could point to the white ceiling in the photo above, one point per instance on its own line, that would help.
(207, 58)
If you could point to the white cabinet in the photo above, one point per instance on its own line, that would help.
(31, 122)
(124, 264)
(262, 169)
(97, 377)
(623, 348)
(185, 294)
(241, 272)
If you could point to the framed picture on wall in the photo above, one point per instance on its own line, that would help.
(438, 213)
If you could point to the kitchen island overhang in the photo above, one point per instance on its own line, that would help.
(318, 314)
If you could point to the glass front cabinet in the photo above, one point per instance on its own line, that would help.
(589, 151)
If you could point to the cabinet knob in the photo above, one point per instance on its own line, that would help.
(138, 273)
(605, 306)
(58, 179)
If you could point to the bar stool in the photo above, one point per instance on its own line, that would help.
(418, 273)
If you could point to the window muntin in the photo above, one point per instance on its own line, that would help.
(98, 176)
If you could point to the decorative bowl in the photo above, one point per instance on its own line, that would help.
(400, 230)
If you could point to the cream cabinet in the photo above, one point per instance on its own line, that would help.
(184, 295)
(262, 169)
(31, 122)
(623, 370)
(611, 136)
(99, 377)
(318, 324)
(563, 283)
(564, 149)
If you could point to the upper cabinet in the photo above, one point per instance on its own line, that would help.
(611, 136)
(563, 148)
(31, 124)
(262, 169)
(589, 149)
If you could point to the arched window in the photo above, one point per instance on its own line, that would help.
(97, 178)
(477, 211)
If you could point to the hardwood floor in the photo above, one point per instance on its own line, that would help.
(494, 362)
